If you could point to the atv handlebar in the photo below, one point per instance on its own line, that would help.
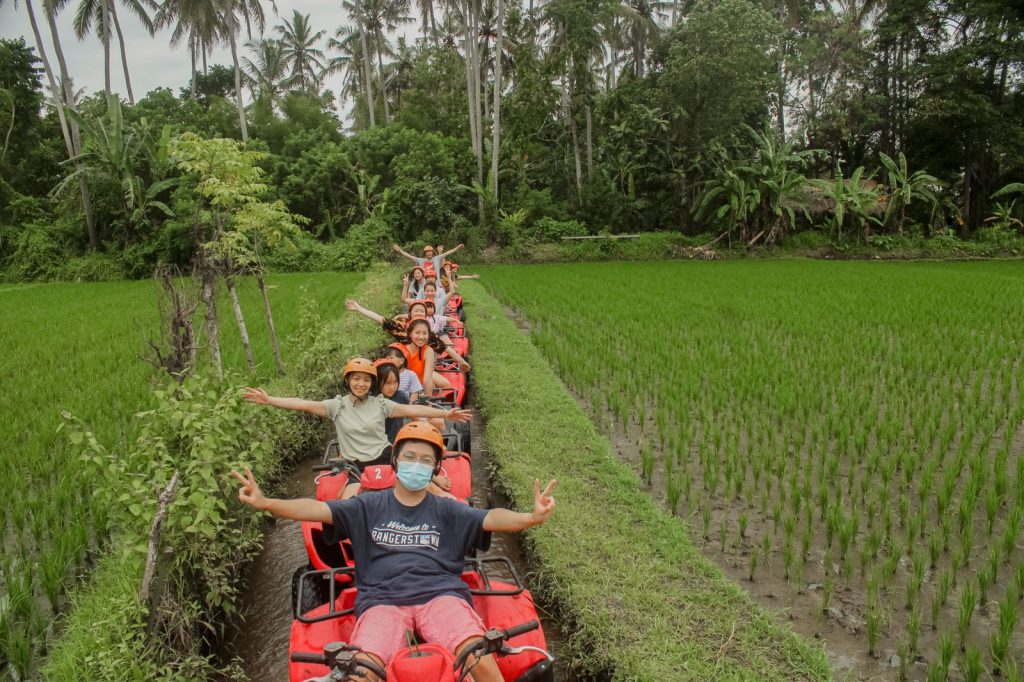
(341, 658)
(494, 642)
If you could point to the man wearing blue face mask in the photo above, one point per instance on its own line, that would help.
(410, 549)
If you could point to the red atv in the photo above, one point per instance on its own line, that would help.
(456, 466)
(319, 631)
(449, 369)
(456, 331)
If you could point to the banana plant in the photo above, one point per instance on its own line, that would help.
(904, 187)
(855, 199)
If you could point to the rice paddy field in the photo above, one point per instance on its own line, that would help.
(844, 439)
(78, 347)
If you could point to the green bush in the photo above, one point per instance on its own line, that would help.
(551, 230)
(39, 250)
(808, 240)
(91, 267)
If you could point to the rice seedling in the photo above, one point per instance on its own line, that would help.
(914, 577)
(647, 462)
(971, 664)
(968, 602)
(673, 491)
(752, 567)
(986, 578)
(873, 628)
(1000, 643)
(913, 631)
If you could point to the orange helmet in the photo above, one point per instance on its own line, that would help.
(384, 361)
(359, 365)
(428, 247)
(419, 302)
(416, 318)
(422, 431)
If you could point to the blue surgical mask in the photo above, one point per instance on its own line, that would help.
(415, 476)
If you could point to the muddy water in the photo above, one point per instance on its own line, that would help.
(261, 641)
(260, 644)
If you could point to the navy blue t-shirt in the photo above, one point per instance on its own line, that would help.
(392, 425)
(406, 555)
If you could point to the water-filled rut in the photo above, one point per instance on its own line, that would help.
(260, 641)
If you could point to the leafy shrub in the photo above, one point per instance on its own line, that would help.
(91, 267)
(428, 203)
(810, 240)
(1004, 238)
(39, 248)
(551, 230)
(538, 203)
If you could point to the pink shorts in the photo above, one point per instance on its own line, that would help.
(446, 620)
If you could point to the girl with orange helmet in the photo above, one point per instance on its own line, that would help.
(439, 341)
(359, 416)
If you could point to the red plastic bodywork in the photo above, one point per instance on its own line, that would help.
(497, 611)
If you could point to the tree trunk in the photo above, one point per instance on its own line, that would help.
(10, 129)
(780, 117)
(105, 37)
(124, 54)
(472, 101)
(210, 304)
(496, 120)
(570, 120)
(54, 88)
(590, 145)
(433, 26)
(366, 74)
(238, 87)
(477, 86)
(383, 88)
(243, 331)
(76, 137)
(192, 82)
(261, 283)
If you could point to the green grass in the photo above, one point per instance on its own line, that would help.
(634, 595)
(76, 347)
(878, 402)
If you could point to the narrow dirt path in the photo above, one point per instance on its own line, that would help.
(260, 642)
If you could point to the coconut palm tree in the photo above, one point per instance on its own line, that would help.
(639, 24)
(103, 13)
(379, 17)
(196, 22)
(68, 100)
(69, 129)
(233, 13)
(266, 70)
(303, 57)
(426, 10)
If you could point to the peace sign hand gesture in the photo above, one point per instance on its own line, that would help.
(543, 502)
(250, 492)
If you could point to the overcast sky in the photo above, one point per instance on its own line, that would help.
(152, 62)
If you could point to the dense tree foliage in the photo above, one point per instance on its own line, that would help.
(758, 118)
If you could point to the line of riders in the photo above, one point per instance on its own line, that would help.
(408, 571)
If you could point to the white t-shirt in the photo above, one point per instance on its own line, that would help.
(360, 427)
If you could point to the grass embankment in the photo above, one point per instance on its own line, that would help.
(207, 535)
(634, 594)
